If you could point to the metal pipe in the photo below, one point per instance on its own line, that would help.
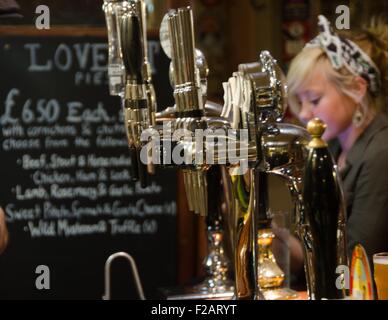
(132, 263)
(185, 19)
(175, 47)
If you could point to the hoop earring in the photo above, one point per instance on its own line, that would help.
(358, 117)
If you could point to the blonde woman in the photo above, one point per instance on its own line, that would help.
(344, 82)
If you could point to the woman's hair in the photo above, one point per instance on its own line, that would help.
(372, 39)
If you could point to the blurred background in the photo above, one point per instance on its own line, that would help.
(228, 31)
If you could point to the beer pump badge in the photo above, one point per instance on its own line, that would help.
(361, 287)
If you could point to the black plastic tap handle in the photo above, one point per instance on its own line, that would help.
(142, 170)
(134, 163)
(323, 203)
(214, 217)
(132, 47)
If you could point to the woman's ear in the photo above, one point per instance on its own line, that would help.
(360, 88)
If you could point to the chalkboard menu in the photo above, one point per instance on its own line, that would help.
(65, 180)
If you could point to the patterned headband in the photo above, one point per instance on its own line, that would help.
(343, 52)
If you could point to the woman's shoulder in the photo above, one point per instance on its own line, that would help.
(373, 147)
(377, 146)
(378, 134)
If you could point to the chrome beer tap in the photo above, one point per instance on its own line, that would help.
(257, 100)
(116, 77)
(147, 73)
(187, 95)
(150, 90)
(136, 103)
(276, 148)
(188, 76)
(130, 75)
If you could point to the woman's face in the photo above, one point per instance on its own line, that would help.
(320, 98)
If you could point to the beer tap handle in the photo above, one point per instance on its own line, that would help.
(142, 170)
(175, 48)
(115, 62)
(185, 20)
(188, 188)
(325, 211)
(136, 104)
(147, 72)
(143, 23)
(214, 218)
(187, 92)
(133, 55)
(134, 163)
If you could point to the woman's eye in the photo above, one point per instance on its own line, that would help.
(315, 101)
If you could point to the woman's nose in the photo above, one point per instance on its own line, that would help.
(305, 114)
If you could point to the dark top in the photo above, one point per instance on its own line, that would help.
(365, 182)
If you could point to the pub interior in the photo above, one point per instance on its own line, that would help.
(194, 149)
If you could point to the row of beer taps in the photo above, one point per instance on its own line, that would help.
(252, 128)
